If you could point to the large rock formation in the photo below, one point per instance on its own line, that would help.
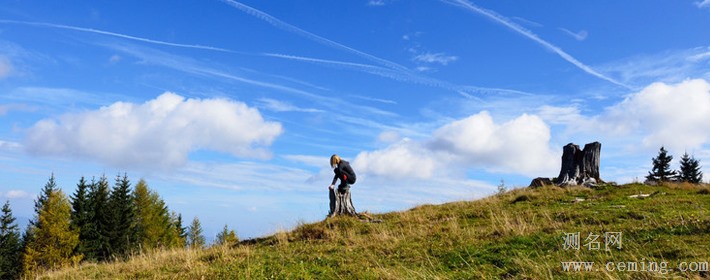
(579, 167)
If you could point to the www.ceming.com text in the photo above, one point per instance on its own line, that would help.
(636, 266)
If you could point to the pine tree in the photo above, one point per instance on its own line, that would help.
(195, 238)
(122, 232)
(55, 241)
(10, 245)
(81, 218)
(690, 170)
(226, 237)
(661, 171)
(97, 242)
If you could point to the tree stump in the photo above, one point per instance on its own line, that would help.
(341, 202)
(580, 166)
(540, 182)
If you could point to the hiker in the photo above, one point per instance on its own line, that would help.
(342, 171)
(340, 201)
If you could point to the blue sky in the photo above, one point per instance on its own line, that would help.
(230, 109)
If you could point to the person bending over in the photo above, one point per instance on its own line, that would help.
(342, 171)
(340, 201)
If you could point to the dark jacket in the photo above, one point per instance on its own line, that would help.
(345, 173)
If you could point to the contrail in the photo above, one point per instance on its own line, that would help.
(108, 33)
(293, 29)
(527, 33)
(402, 76)
(324, 61)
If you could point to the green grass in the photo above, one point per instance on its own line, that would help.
(518, 235)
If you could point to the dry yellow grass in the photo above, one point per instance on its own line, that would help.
(517, 234)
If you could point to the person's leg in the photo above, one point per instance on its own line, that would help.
(333, 200)
(343, 187)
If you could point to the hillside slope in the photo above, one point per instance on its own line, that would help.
(522, 234)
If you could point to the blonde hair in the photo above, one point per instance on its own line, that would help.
(334, 160)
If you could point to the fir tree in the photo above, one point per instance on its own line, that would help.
(122, 232)
(690, 170)
(55, 241)
(182, 231)
(178, 233)
(661, 171)
(10, 245)
(81, 218)
(97, 242)
(28, 236)
(226, 237)
(195, 237)
(48, 188)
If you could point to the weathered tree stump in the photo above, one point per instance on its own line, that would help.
(341, 203)
(580, 167)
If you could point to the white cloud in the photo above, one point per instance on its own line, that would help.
(703, 4)
(6, 68)
(519, 146)
(440, 58)
(376, 3)
(17, 194)
(158, 133)
(404, 159)
(674, 115)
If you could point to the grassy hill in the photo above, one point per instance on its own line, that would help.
(519, 234)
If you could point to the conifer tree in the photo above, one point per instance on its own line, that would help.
(152, 223)
(29, 234)
(121, 236)
(195, 237)
(10, 245)
(48, 188)
(661, 171)
(690, 170)
(54, 240)
(177, 234)
(181, 230)
(81, 218)
(226, 237)
(98, 245)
